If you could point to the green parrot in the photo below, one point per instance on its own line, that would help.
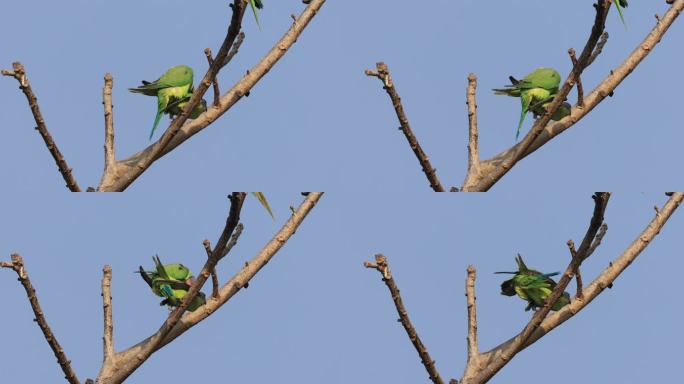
(262, 199)
(619, 4)
(176, 106)
(532, 286)
(537, 86)
(174, 83)
(562, 111)
(172, 282)
(256, 4)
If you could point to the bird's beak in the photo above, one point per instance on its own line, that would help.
(189, 281)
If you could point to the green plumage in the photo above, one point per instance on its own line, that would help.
(172, 282)
(176, 106)
(176, 83)
(536, 87)
(256, 4)
(619, 4)
(262, 199)
(532, 286)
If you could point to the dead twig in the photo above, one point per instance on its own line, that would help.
(383, 74)
(17, 265)
(19, 73)
(382, 266)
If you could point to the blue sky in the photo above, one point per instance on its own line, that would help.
(314, 313)
(316, 122)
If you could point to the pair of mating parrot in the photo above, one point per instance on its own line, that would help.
(174, 88)
(536, 92)
(532, 286)
(172, 282)
(537, 89)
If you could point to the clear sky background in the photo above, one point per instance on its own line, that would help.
(314, 314)
(316, 122)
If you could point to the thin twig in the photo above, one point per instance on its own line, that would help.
(383, 74)
(214, 275)
(110, 158)
(214, 80)
(580, 89)
(234, 50)
(473, 150)
(19, 73)
(382, 266)
(17, 265)
(576, 272)
(599, 48)
(108, 334)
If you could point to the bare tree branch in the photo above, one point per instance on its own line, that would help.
(491, 170)
(17, 265)
(108, 334)
(127, 361)
(382, 266)
(19, 73)
(491, 360)
(482, 181)
(383, 74)
(580, 89)
(473, 151)
(473, 349)
(128, 170)
(214, 80)
(110, 158)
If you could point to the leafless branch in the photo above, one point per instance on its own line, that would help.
(110, 158)
(493, 169)
(108, 334)
(580, 89)
(496, 358)
(19, 73)
(128, 170)
(127, 361)
(473, 350)
(383, 74)
(214, 80)
(473, 151)
(382, 266)
(17, 265)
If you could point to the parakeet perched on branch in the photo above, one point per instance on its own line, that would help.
(172, 282)
(533, 287)
(256, 4)
(174, 83)
(538, 86)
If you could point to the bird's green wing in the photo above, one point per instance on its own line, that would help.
(178, 76)
(262, 199)
(159, 267)
(546, 78)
